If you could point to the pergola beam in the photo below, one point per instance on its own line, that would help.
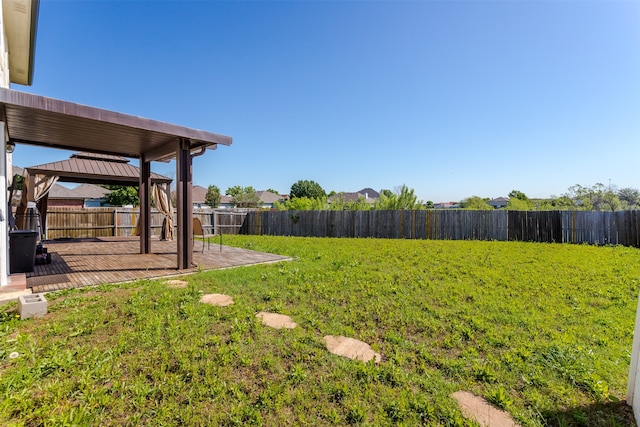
(184, 204)
(145, 205)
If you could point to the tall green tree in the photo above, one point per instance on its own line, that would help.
(594, 198)
(305, 188)
(243, 197)
(475, 203)
(630, 198)
(302, 204)
(403, 198)
(122, 195)
(518, 201)
(212, 198)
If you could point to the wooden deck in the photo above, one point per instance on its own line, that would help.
(86, 262)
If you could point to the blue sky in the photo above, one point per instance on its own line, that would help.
(452, 98)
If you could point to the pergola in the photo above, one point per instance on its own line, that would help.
(37, 120)
(90, 168)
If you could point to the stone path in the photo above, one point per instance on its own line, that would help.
(177, 284)
(275, 320)
(482, 412)
(351, 348)
(472, 406)
(219, 300)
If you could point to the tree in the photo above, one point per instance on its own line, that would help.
(338, 203)
(243, 197)
(301, 204)
(271, 190)
(630, 197)
(403, 198)
(212, 198)
(122, 195)
(596, 197)
(518, 201)
(310, 189)
(475, 203)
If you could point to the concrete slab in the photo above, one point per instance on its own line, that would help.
(476, 408)
(275, 320)
(219, 300)
(351, 348)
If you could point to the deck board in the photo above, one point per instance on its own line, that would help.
(86, 262)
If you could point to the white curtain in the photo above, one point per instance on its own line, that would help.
(41, 186)
(163, 204)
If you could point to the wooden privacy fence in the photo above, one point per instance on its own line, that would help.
(105, 222)
(618, 228)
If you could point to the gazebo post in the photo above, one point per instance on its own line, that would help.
(145, 205)
(184, 204)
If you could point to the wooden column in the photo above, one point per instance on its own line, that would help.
(184, 204)
(145, 205)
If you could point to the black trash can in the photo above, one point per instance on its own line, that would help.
(22, 250)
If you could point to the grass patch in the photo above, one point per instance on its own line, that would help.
(543, 331)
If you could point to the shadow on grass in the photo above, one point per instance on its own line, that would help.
(607, 414)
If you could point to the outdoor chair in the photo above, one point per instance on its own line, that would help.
(198, 230)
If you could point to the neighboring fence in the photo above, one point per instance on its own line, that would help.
(104, 222)
(622, 227)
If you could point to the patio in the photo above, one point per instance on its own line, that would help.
(93, 261)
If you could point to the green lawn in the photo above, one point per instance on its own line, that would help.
(541, 330)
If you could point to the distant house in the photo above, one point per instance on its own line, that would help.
(498, 203)
(446, 205)
(367, 194)
(82, 196)
(268, 199)
(199, 196)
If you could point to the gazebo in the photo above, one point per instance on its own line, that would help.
(37, 120)
(92, 168)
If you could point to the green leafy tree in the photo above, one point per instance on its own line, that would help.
(559, 203)
(310, 189)
(122, 195)
(271, 190)
(243, 197)
(475, 203)
(629, 198)
(212, 198)
(518, 201)
(302, 204)
(403, 198)
(596, 198)
(339, 203)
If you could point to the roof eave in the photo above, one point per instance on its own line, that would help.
(21, 22)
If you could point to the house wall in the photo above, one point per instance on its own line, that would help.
(5, 160)
(66, 203)
(633, 389)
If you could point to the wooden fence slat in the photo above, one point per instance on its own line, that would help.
(532, 226)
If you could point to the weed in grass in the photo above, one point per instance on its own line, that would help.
(499, 397)
(355, 414)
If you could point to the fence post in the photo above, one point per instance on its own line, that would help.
(115, 222)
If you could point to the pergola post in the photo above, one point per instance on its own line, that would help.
(184, 204)
(145, 205)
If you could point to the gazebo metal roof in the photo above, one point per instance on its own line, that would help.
(95, 169)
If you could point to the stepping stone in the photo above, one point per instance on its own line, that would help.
(217, 299)
(276, 320)
(485, 414)
(351, 348)
(177, 284)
